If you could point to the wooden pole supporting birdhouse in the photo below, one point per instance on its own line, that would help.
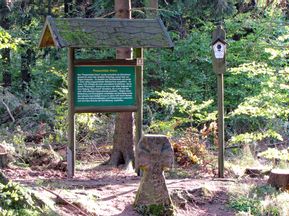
(219, 67)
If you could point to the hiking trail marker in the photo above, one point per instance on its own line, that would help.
(103, 85)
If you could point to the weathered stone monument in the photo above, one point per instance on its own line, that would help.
(154, 154)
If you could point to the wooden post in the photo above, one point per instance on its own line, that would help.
(138, 54)
(152, 6)
(71, 117)
(221, 141)
(219, 67)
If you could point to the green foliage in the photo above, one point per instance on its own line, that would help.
(255, 136)
(256, 81)
(154, 210)
(273, 154)
(261, 200)
(178, 111)
(7, 41)
(256, 90)
(245, 204)
(263, 191)
(15, 200)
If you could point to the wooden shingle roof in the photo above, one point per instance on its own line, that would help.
(104, 33)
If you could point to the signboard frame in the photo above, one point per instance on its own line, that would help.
(135, 63)
(118, 107)
(72, 109)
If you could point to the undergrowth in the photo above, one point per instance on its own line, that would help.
(16, 201)
(261, 200)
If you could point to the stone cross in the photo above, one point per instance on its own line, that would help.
(154, 153)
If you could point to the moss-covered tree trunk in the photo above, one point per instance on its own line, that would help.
(123, 140)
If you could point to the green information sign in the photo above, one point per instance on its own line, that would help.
(104, 86)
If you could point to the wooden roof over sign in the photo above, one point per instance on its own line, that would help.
(104, 33)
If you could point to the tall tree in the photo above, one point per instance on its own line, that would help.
(4, 23)
(68, 8)
(28, 54)
(83, 8)
(154, 81)
(123, 140)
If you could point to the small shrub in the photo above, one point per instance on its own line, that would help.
(154, 210)
(263, 191)
(262, 200)
(14, 196)
(279, 158)
(246, 204)
(189, 149)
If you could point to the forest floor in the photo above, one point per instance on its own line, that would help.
(103, 190)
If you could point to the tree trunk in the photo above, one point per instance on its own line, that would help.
(4, 23)
(49, 7)
(3, 157)
(279, 178)
(123, 140)
(83, 7)
(3, 179)
(26, 59)
(6, 62)
(154, 81)
(3, 160)
(153, 6)
(68, 8)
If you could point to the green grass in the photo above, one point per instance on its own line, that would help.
(261, 200)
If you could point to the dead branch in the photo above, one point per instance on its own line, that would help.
(8, 110)
(65, 201)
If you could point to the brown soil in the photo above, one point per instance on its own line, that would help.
(103, 190)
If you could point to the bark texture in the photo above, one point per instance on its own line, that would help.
(279, 178)
(6, 62)
(3, 157)
(123, 147)
(26, 61)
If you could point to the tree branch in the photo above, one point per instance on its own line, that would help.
(8, 110)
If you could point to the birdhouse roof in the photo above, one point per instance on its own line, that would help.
(104, 33)
(219, 40)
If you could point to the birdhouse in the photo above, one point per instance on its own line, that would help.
(219, 48)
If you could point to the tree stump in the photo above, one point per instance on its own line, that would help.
(154, 154)
(255, 172)
(279, 178)
(3, 178)
(3, 157)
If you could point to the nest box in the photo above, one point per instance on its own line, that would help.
(219, 48)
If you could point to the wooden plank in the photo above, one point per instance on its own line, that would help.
(105, 109)
(100, 32)
(113, 62)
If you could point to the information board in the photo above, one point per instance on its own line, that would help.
(104, 86)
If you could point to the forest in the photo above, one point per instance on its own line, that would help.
(179, 103)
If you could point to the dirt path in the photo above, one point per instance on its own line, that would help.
(108, 191)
